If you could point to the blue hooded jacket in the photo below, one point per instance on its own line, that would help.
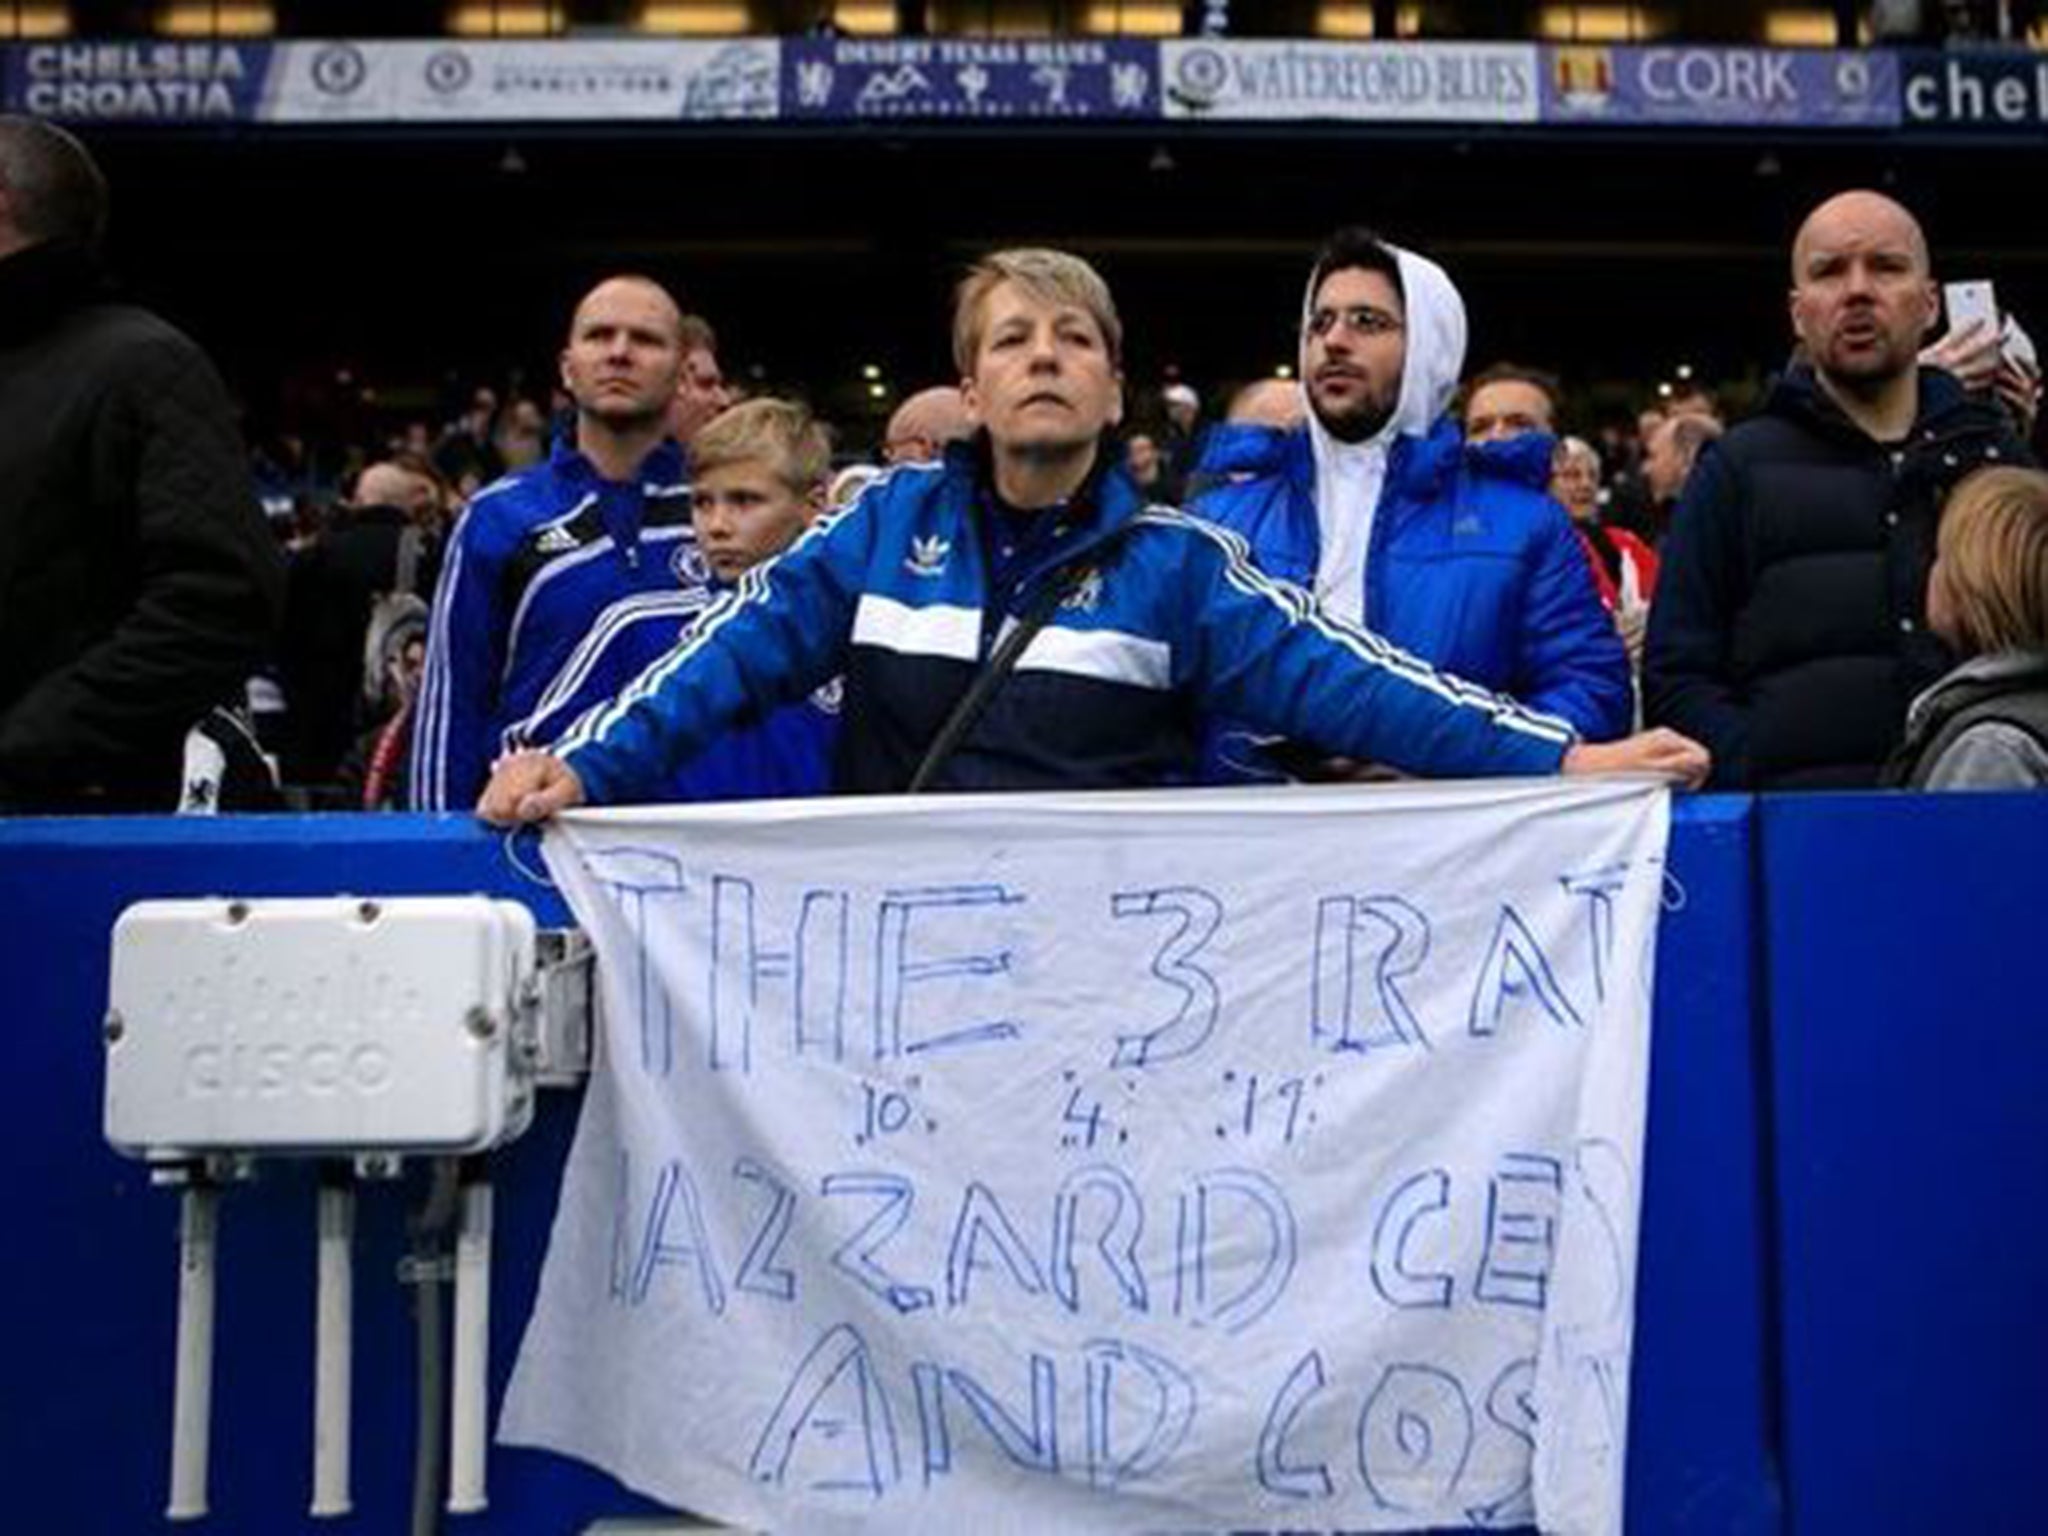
(1471, 565)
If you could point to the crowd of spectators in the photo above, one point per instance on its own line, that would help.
(451, 588)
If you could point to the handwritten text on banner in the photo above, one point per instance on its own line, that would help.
(1108, 1162)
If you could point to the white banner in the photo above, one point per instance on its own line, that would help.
(1366, 82)
(1108, 1162)
(582, 80)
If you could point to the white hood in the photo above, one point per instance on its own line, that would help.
(1351, 476)
(1436, 349)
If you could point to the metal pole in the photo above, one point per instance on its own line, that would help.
(468, 1407)
(333, 1379)
(192, 1392)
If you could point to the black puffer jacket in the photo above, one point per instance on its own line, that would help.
(1789, 629)
(138, 584)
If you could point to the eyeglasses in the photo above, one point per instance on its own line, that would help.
(1362, 318)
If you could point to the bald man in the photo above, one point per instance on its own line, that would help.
(406, 482)
(541, 558)
(924, 424)
(1275, 403)
(1670, 450)
(1789, 632)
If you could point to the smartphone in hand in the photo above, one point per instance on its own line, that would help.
(1970, 301)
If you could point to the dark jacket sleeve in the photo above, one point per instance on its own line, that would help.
(1687, 659)
(209, 581)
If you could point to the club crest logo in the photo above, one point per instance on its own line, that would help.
(689, 566)
(1087, 594)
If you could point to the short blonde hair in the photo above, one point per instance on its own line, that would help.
(781, 433)
(1993, 547)
(1051, 277)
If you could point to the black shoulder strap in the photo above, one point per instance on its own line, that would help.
(1604, 547)
(1051, 593)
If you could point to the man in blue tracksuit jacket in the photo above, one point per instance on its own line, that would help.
(1452, 551)
(1160, 618)
(539, 557)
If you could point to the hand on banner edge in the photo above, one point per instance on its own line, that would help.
(528, 786)
(1654, 751)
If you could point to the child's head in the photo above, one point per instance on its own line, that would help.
(1988, 590)
(757, 477)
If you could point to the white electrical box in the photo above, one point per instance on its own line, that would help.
(320, 1025)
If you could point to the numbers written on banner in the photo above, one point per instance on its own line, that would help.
(1127, 1171)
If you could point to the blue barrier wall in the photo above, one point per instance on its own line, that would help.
(1909, 1067)
(90, 1287)
(1700, 1455)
